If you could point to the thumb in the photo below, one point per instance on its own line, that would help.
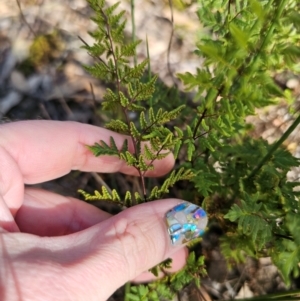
(128, 244)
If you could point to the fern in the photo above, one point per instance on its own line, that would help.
(112, 196)
(167, 287)
(112, 56)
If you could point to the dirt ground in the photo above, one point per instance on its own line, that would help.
(56, 87)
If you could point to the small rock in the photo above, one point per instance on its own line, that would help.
(293, 83)
(244, 292)
(18, 81)
(9, 101)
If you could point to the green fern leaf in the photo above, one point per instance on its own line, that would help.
(123, 100)
(205, 183)
(114, 19)
(115, 195)
(142, 91)
(154, 142)
(143, 121)
(151, 115)
(135, 107)
(162, 155)
(165, 186)
(206, 144)
(154, 194)
(101, 71)
(129, 49)
(133, 131)
(118, 33)
(239, 35)
(204, 125)
(130, 159)
(138, 198)
(142, 165)
(179, 132)
(103, 149)
(148, 153)
(128, 199)
(106, 194)
(189, 131)
(138, 71)
(177, 148)
(124, 147)
(118, 126)
(159, 114)
(190, 149)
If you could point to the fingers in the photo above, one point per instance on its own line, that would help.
(45, 150)
(11, 184)
(7, 222)
(48, 214)
(127, 245)
(93, 263)
(37, 151)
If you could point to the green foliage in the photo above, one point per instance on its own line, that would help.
(104, 195)
(169, 285)
(241, 181)
(131, 94)
(174, 177)
(160, 267)
(247, 177)
(251, 222)
(104, 149)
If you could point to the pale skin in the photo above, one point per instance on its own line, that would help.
(59, 248)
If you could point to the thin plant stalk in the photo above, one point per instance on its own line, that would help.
(149, 68)
(275, 146)
(132, 7)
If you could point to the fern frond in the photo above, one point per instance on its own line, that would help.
(118, 126)
(104, 195)
(102, 148)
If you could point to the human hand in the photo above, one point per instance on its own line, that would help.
(59, 248)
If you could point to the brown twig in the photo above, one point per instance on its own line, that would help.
(24, 19)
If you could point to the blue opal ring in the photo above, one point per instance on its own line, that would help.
(185, 222)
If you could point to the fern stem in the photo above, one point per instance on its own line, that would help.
(127, 291)
(283, 236)
(269, 33)
(95, 57)
(132, 6)
(111, 44)
(149, 68)
(271, 28)
(149, 63)
(275, 146)
(198, 123)
(118, 84)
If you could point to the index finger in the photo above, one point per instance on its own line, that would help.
(46, 150)
(37, 151)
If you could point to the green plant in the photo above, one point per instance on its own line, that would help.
(248, 194)
(43, 50)
(240, 181)
(131, 95)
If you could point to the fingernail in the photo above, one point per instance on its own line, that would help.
(185, 222)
